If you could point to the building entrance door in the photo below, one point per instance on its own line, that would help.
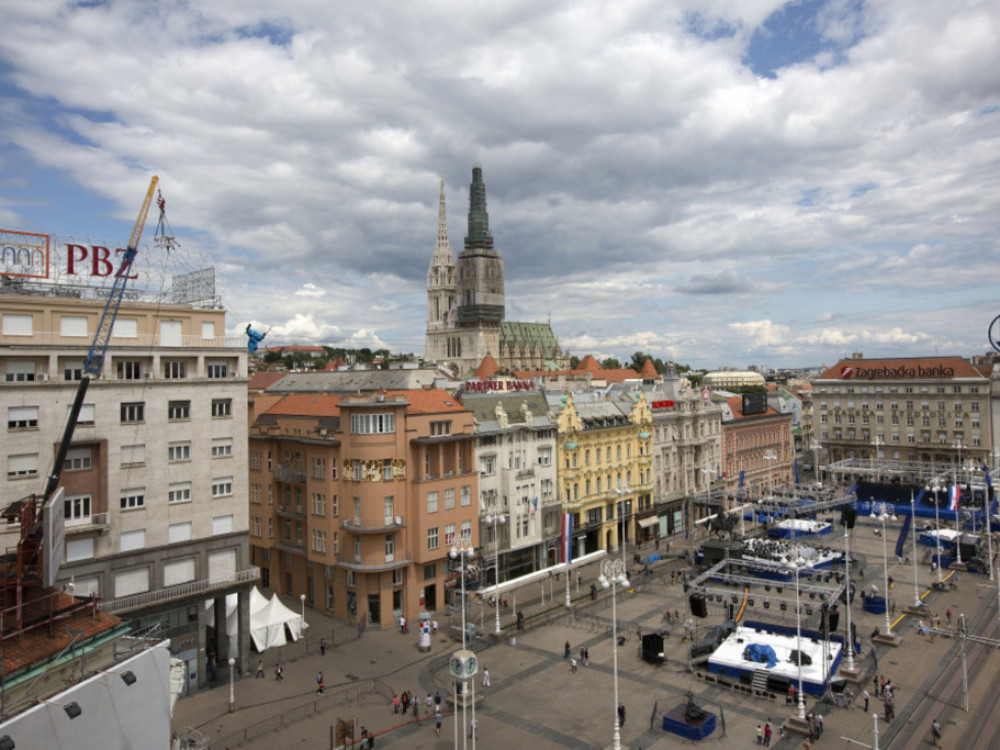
(375, 609)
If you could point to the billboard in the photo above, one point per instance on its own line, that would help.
(754, 403)
(54, 537)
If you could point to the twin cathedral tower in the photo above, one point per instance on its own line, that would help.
(465, 303)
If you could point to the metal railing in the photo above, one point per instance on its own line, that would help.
(145, 341)
(149, 598)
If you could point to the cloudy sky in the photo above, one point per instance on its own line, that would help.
(721, 182)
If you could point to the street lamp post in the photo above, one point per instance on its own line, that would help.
(847, 576)
(876, 442)
(613, 573)
(798, 562)
(302, 598)
(913, 522)
(937, 529)
(816, 445)
(769, 456)
(232, 689)
(622, 490)
(463, 551)
(496, 518)
(885, 565)
(875, 732)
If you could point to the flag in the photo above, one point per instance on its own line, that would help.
(534, 503)
(907, 520)
(743, 476)
(567, 538)
(954, 493)
(795, 464)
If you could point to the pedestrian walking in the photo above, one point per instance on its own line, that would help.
(566, 650)
(948, 615)
(572, 664)
(279, 673)
(437, 722)
(404, 701)
(320, 685)
(395, 703)
(936, 731)
(437, 701)
(429, 702)
(586, 656)
(486, 677)
(474, 729)
(818, 718)
(322, 646)
(760, 735)
(621, 715)
(260, 669)
(866, 700)
(416, 709)
(767, 733)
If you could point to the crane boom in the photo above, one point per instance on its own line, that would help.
(99, 347)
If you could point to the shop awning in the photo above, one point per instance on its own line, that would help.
(645, 523)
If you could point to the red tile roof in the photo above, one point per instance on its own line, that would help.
(487, 368)
(736, 404)
(648, 370)
(264, 379)
(421, 401)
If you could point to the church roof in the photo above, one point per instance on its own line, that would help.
(515, 335)
(487, 368)
(648, 370)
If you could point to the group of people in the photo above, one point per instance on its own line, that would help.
(764, 733)
(407, 701)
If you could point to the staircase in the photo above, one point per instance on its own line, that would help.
(759, 682)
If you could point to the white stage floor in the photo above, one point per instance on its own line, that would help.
(728, 657)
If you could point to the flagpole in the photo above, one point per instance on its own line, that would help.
(989, 521)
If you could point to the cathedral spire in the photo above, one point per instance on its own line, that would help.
(479, 221)
(442, 252)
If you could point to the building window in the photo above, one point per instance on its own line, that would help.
(134, 498)
(373, 424)
(449, 534)
(76, 509)
(467, 531)
(177, 410)
(449, 498)
(488, 464)
(545, 456)
(179, 492)
(318, 540)
(129, 370)
(256, 493)
(335, 506)
(430, 572)
(174, 369)
(133, 412)
(336, 545)
(222, 447)
(466, 496)
(270, 529)
(222, 487)
(222, 407)
(318, 504)
(255, 459)
(22, 417)
(78, 459)
(133, 454)
(22, 465)
(386, 469)
(432, 502)
(390, 548)
(179, 452)
(440, 428)
(432, 537)
(73, 369)
(217, 370)
(318, 468)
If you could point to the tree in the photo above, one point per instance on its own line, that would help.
(611, 364)
(574, 362)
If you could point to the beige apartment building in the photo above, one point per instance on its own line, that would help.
(357, 496)
(155, 479)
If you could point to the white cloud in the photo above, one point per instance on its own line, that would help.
(646, 189)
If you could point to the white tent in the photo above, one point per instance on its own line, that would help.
(268, 620)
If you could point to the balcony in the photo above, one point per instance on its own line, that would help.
(366, 526)
(141, 342)
(290, 511)
(284, 473)
(177, 593)
(87, 524)
(373, 563)
(287, 545)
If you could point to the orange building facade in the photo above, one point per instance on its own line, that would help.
(357, 499)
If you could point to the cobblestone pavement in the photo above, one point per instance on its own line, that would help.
(536, 701)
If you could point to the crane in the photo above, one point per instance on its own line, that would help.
(94, 362)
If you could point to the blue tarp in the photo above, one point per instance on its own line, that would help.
(761, 654)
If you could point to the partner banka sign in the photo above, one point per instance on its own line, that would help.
(902, 372)
(28, 255)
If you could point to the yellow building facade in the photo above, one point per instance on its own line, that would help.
(605, 464)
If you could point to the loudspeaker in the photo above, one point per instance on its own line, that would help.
(834, 621)
(848, 515)
(698, 608)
